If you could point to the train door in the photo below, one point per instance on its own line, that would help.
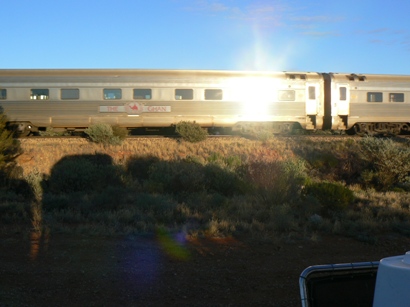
(344, 99)
(314, 104)
(340, 105)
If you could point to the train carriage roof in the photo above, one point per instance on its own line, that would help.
(133, 72)
(351, 77)
(16, 76)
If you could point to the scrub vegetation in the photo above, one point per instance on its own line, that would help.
(280, 188)
(9, 150)
(106, 134)
(191, 131)
(102, 133)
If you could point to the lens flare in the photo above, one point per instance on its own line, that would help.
(141, 266)
(267, 50)
(173, 245)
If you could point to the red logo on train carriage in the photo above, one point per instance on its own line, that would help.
(134, 106)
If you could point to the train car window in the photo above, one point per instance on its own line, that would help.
(3, 94)
(70, 93)
(184, 94)
(312, 93)
(374, 97)
(213, 94)
(294, 77)
(396, 97)
(112, 93)
(142, 93)
(342, 93)
(39, 94)
(286, 95)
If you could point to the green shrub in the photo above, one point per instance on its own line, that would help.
(222, 181)
(59, 202)
(331, 196)
(34, 179)
(138, 167)
(111, 198)
(283, 218)
(323, 160)
(277, 182)
(175, 177)
(83, 173)
(120, 132)
(158, 210)
(104, 134)
(14, 213)
(51, 132)
(182, 178)
(9, 149)
(8, 146)
(389, 162)
(225, 162)
(191, 131)
(332, 161)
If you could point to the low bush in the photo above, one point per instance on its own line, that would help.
(14, 213)
(51, 132)
(182, 178)
(276, 182)
(59, 202)
(331, 196)
(191, 131)
(175, 178)
(138, 167)
(230, 163)
(120, 132)
(83, 173)
(8, 146)
(11, 175)
(218, 180)
(332, 161)
(111, 198)
(389, 162)
(105, 134)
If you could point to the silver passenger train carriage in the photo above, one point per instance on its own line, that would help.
(368, 104)
(72, 100)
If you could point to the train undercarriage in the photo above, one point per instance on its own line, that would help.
(251, 128)
(268, 127)
(379, 128)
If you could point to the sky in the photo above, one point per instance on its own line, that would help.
(350, 36)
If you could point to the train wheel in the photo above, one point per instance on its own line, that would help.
(26, 132)
(357, 130)
(21, 129)
(405, 129)
(351, 131)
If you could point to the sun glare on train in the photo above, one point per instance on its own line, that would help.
(256, 95)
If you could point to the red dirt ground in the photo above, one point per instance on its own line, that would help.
(84, 271)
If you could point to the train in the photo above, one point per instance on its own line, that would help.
(74, 99)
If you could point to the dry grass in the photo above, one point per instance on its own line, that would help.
(43, 154)
(371, 214)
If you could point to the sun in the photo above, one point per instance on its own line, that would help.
(256, 95)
